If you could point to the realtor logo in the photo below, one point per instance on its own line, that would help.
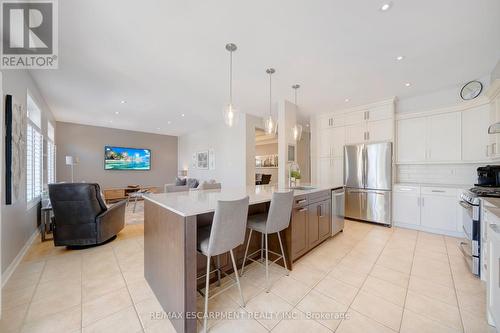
(29, 34)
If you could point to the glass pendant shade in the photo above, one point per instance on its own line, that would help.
(270, 125)
(230, 115)
(230, 112)
(297, 132)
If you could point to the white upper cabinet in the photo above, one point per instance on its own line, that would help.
(331, 120)
(379, 113)
(332, 142)
(380, 130)
(355, 117)
(430, 139)
(444, 137)
(411, 146)
(325, 139)
(475, 137)
(355, 133)
(338, 141)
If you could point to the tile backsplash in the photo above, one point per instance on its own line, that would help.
(459, 174)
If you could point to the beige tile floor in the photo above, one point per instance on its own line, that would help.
(367, 279)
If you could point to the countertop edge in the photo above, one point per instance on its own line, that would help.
(151, 197)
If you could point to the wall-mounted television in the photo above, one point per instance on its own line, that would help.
(120, 158)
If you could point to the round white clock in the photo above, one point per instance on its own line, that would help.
(471, 90)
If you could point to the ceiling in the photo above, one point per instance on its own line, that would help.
(167, 59)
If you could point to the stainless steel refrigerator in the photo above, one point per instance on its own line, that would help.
(368, 182)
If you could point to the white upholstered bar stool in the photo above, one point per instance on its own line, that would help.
(275, 221)
(226, 233)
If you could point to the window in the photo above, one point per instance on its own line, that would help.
(51, 155)
(34, 151)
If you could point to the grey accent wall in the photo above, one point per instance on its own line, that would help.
(87, 143)
(18, 223)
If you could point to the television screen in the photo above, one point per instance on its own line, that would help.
(119, 158)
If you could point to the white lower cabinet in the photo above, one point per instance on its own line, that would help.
(493, 283)
(427, 208)
(439, 212)
(406, 203)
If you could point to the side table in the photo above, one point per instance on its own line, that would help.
(45, 225)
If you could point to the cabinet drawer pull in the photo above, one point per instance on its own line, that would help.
(438, 191)
(303, 210)
(320, 211)
(301, 201)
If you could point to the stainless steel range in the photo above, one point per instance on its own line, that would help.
(470, 202)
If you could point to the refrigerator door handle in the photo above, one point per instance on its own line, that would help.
(365, 166)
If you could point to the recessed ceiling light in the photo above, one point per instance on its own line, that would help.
(386, 6)
(158, 128)
(399, 58)
(407, 84)
(182, 115)
(346, 100)
(123, 102)
(169, 122)
(117, 112)
(307, 125)
(111, 121)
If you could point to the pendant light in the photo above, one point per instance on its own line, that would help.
(297, 128)
(230, 112)
(270, 124)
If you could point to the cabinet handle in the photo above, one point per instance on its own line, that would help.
(303, 210)
(438, 191)
(367, 115)
(301, 201)
(423, 202)
(367, 135)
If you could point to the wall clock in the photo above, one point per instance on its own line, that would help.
(471, 90)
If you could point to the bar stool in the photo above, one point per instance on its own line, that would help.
(225, 234)
(275, 221)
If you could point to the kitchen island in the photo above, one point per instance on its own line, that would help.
(171, 220)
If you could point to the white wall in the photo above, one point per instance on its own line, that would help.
(18, 222)
(435, 100)
(495, 74)
(286, 120)
(252, 122)
(229, 145)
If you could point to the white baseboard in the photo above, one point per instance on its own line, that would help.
(17, 260)
(458, 234)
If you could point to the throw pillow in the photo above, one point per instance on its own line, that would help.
(192, 183)
(180, 181)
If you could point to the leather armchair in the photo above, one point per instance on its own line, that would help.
(81, 216)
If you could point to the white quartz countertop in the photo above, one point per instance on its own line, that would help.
(197, 202)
